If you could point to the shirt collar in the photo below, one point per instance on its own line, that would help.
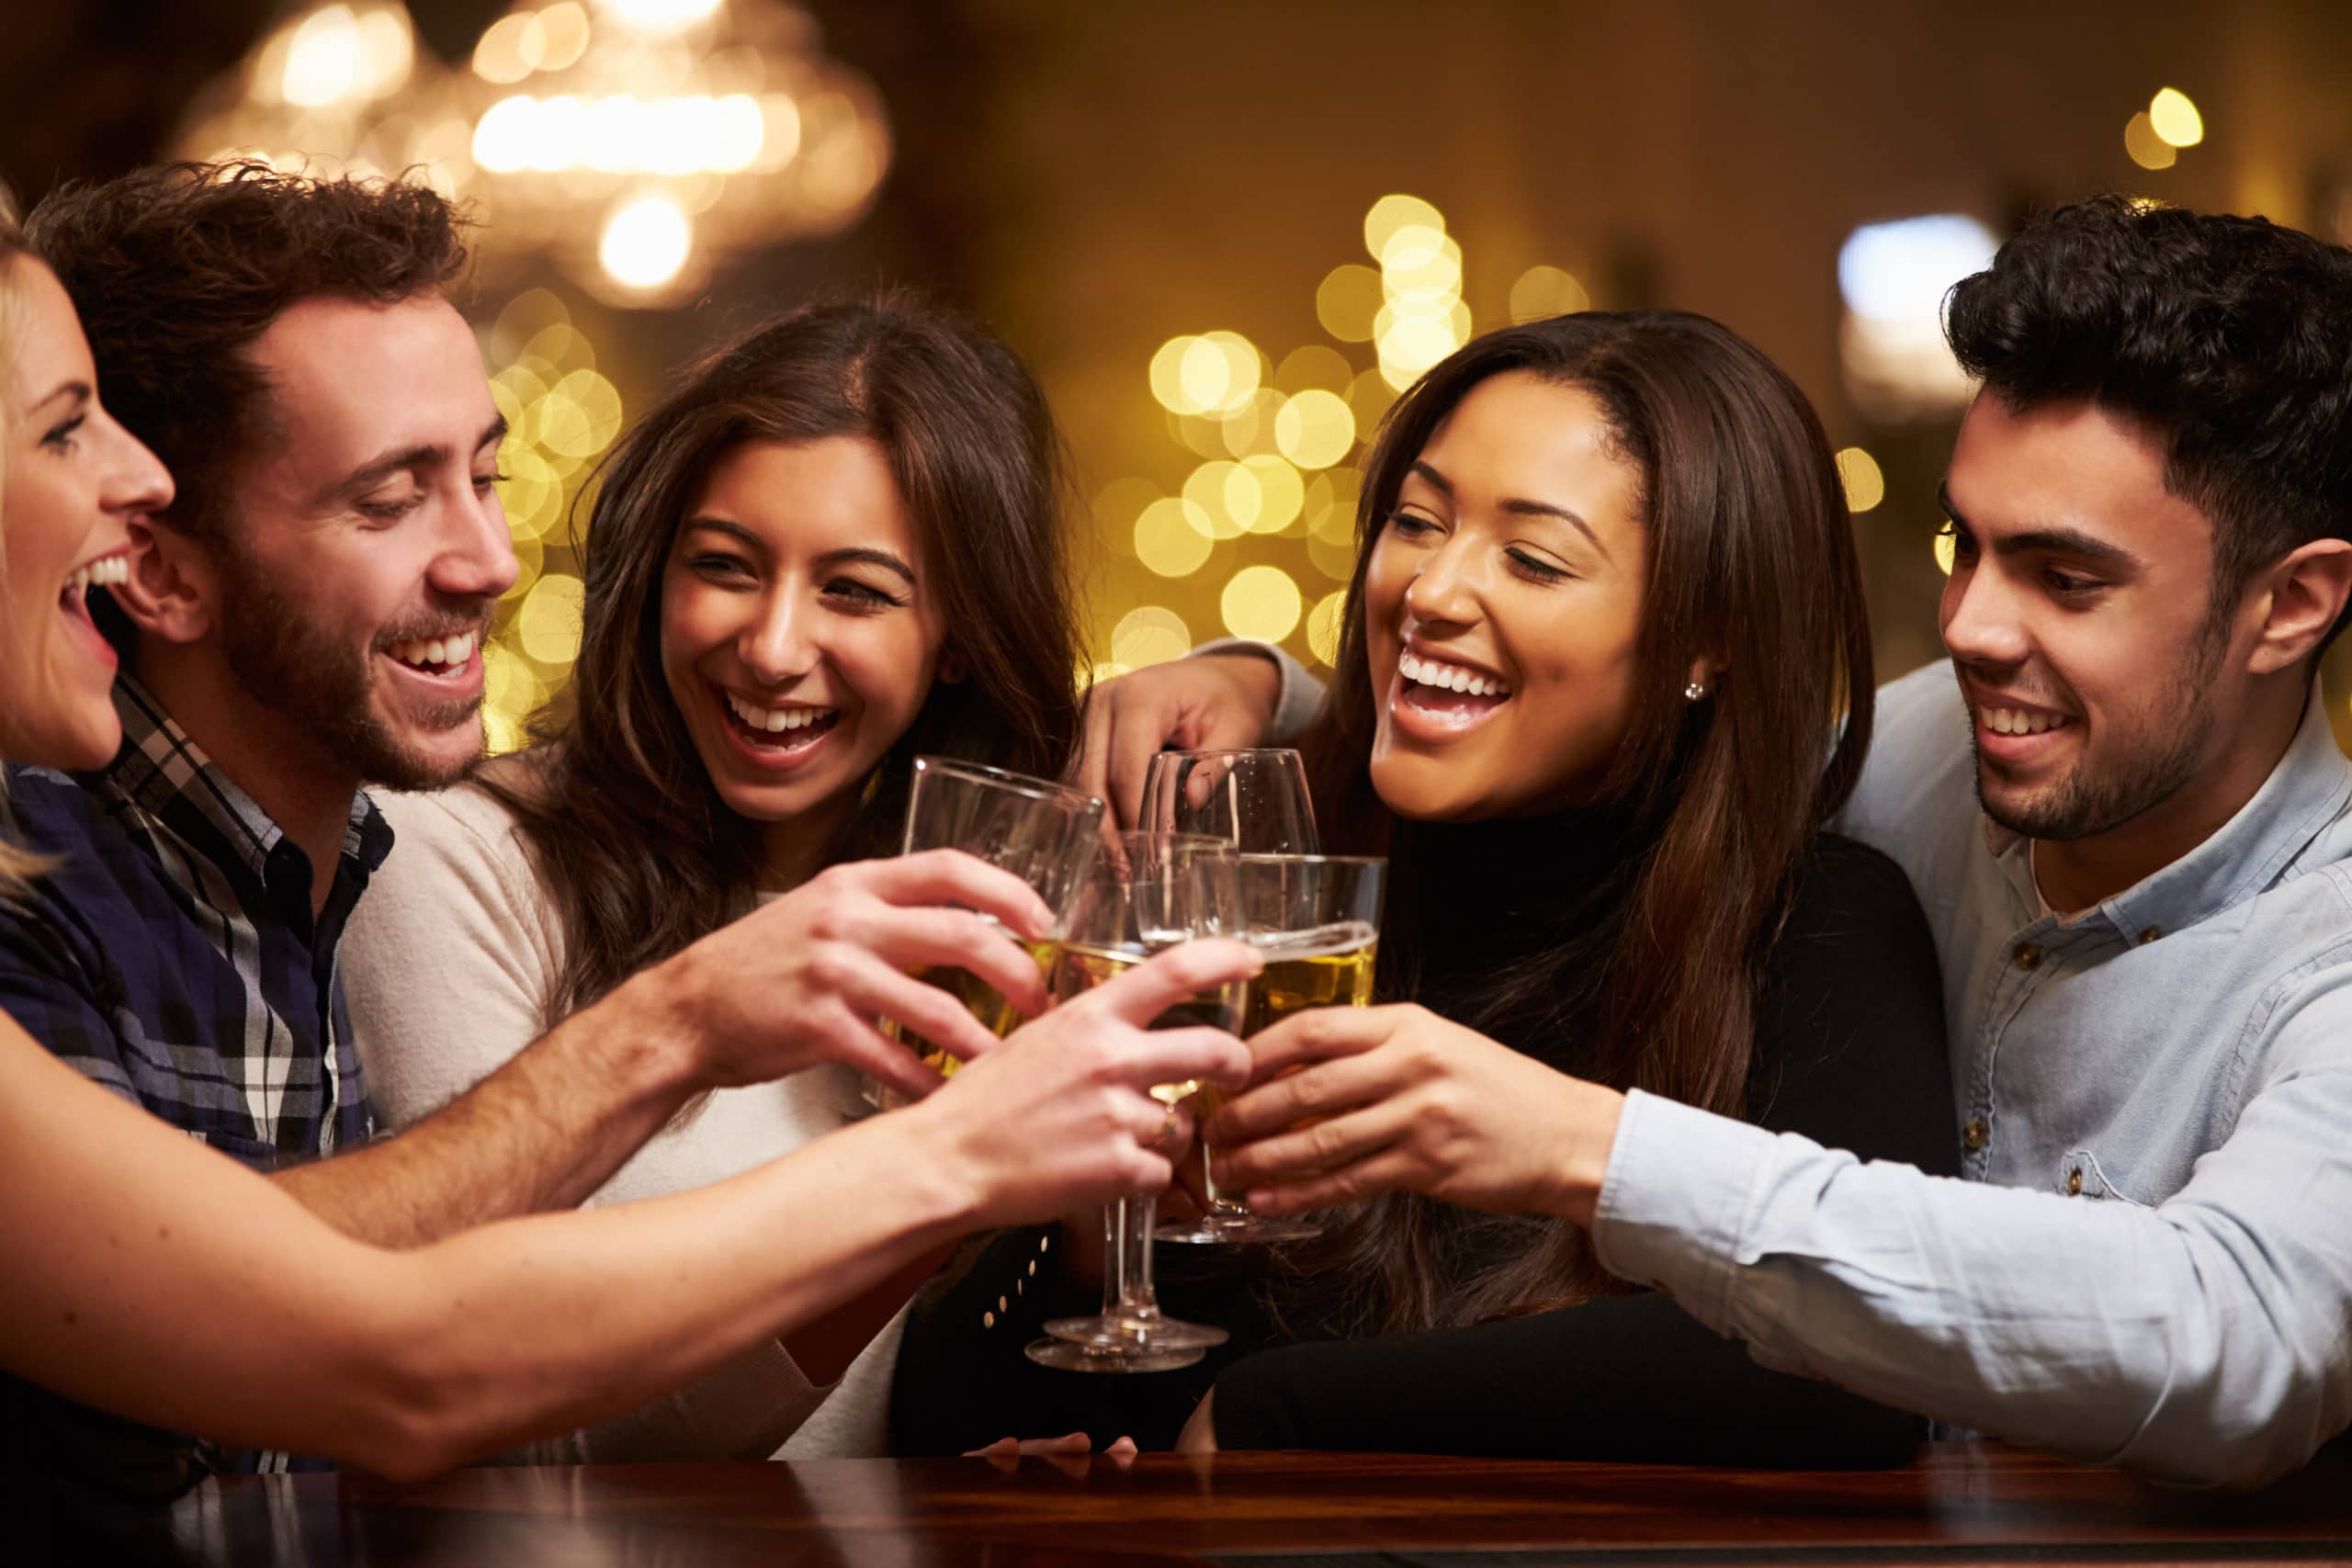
(159, 767)
(2309, 788)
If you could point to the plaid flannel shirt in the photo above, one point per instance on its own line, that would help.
(172, 956)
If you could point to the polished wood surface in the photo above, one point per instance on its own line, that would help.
(1960, 1503)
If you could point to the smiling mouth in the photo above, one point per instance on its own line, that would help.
(436, 656)
(782, 730)
(1448, 692)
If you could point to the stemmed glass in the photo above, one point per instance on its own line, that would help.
(1045, 833)
(1317, 921)
(1255, 800)
(1147, 894)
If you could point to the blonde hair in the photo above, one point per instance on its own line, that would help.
(17, 866)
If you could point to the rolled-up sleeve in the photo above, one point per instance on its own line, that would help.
(2205, 1340)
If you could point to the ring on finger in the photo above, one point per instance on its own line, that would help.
(1168, 1127)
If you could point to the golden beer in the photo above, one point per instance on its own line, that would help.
(1079, 969)
(981, 999)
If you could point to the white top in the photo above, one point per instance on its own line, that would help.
(447, 966)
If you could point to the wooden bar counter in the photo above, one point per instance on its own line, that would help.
(1959, 1503)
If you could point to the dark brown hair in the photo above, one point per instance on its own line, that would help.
(640, 852)
(176, 269)
(1751, 565)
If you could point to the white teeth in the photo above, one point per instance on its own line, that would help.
(2018, 721)
(99, 573)
(426, 652)
(1448, 678)
(774, 721)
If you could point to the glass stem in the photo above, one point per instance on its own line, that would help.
(1126, 1282)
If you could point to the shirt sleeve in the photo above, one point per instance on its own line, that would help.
(2206, 1340)
(1849, 1044)
(1301, 700)
(54, 997)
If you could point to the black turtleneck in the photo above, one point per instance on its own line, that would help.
(1849, 1052)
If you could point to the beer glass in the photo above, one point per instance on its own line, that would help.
(1255, 800)
(1043, 832)
(1317, 921)
(1146, 894)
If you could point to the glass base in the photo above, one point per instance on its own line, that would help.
(1075, 1358)
(1112, 1334)
(1223, 1229)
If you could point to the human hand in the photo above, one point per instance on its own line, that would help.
(802, 980)
(1209, 702)
(1352, 1103)
(1062, 1114)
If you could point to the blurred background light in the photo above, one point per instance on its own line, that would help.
(1865, 485)
(2174, 117)
(1544, 291)
(1894, 277)
(1261, 602)
(2146, 148)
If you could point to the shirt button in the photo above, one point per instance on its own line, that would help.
(2149, 935)
(1976, 1135)
(2028, 956)
(2075, 1182)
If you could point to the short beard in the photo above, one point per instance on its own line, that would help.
(2083, 807)
(302, 671)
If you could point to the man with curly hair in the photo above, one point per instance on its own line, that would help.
(2125, 810)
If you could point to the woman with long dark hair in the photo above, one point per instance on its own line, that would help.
(1605, 614)
(836, 545)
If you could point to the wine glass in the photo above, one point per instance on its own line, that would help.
(1147, 894)
(1317, 921)
(1045, 833)
(1255, 800)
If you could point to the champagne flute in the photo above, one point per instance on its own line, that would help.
(1317, 921)
(1149, 894)
(1255, 800)
(1043, 832)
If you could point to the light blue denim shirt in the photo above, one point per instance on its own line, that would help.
(2149, 1262)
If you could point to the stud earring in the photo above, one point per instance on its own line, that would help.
(1694, 692)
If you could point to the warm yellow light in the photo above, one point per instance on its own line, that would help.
(1315, 429)
(1368, 397)
(498, 55)
(1346, 301)
(780, 133)
(646, 243)
(1225, 497)
(1261, 602)
(563, 35)
(1324, 625)
(1391, 213)
(1280, 491)
(659, 16)
(1171, 539)
(1410, 344)
(1149, 635)
(548, 625)
(322, 60)
(1542, 292)
(2174, 117)
(1331, 506)
(582, 415)
(2147, 149)
(1335, 559)
(1116, 509)
(1420, 261)
(504, 138)
(1249, 430)
(1315, 366)
(1168, 374)
(1865, 484)
(532, 495)
(1206, 374)
(1947, 548)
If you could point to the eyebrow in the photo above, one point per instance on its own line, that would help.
(79, 391)
(2071, 542)
(424, 454)
(855, 554)
(1518, 506)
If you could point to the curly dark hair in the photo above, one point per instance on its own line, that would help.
(2225, 336)
(177, 268)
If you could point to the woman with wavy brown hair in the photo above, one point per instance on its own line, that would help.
(838, 543)
(1605, 611)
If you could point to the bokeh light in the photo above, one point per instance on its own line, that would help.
(2147, 149)
(1248, 430)
(646, 242)
(1347, 301)
(1323, 626)
(1261, 602)
(547, 625)
(1173, 537)
(1541, 292)
(1316, 368)
(1947, 548)
(2173, 117)
(1392, 212)
(1149, 634)
(1222, 499)
(1865, 484)
(1280, 494)
(1116, 509)
(1315, 429)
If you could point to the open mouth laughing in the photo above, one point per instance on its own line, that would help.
(1436, 699)
(780, 735)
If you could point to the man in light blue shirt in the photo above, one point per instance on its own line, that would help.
(2126, 816)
